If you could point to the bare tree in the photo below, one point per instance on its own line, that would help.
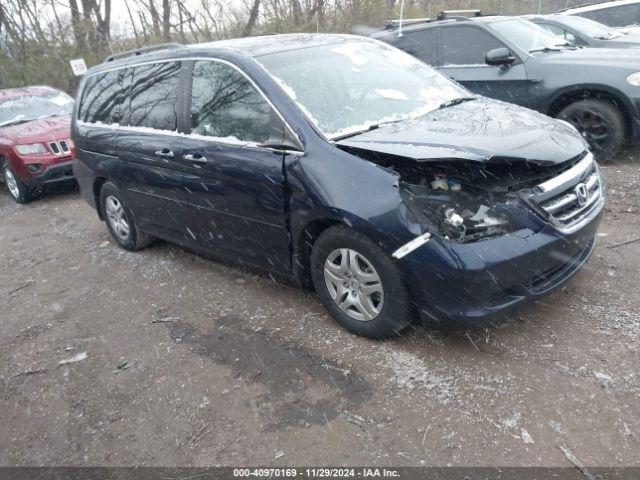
(253, 17)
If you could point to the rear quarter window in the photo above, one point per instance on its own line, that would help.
(103, 98)
(421, 44)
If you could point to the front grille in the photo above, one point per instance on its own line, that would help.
(60, 147)
(572, 196)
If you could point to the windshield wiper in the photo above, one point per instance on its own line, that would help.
(368, 129)
(357, 132)
(455, 101)
(547, 49)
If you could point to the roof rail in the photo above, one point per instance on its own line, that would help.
(458, 14)
(405, 22)
(141, 50)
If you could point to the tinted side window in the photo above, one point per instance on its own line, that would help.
(154, 94)
(420, 44)
(560, 32)
(622, 16)
(103, 98)
(466, 45)
(225, 104)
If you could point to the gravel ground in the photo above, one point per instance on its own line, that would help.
(224, 367)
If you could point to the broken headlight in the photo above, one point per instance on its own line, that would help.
(468, 223)
(458, 215)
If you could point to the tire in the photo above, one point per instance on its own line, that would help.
(120, 219)
(382, 314)
(20, 192)
(600, 123)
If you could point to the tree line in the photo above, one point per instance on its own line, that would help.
(39, 37)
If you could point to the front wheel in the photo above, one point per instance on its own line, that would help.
(120, 220)
(600, 123)
(18, 190)
(359, 284)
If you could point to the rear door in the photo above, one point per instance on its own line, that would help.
(234, 189)
(149, 147)
(463, 49)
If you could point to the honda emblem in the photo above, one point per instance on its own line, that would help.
(582, 192)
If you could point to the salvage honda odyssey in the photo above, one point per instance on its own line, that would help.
(345, 164)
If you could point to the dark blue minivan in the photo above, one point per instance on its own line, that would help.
(344, 164)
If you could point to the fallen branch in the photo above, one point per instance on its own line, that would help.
(625, 243)
(17, 289)
(165, 320)
(30, 372)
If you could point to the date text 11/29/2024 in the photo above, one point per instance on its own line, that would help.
(364, 472)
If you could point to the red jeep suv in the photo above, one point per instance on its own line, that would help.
(35, 148)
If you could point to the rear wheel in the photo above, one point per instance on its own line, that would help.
(359, 284)
(120, 220)
(18, 190)
(600, 123)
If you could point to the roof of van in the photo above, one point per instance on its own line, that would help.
(251, 46)
(268, 44)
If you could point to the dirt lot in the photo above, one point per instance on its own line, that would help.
(229, 368)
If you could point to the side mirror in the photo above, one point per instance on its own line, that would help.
(499, 56)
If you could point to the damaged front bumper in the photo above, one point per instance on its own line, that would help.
(457, 286)
(457, 283)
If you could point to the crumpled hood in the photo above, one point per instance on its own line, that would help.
(478, 130)
(41, 130)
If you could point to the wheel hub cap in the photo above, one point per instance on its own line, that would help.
(117, 218)
(354, 284)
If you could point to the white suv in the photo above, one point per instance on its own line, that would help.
(623, 15)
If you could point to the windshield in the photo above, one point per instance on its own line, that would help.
(24, 108)
(349, 87)
(590, 28)
(527, 35)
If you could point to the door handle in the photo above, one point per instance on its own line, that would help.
(195, 158)
(164, 153)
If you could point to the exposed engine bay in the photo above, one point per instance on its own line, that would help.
(465, 201)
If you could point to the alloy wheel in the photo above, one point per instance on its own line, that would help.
(117, 217)
(354, 284)
(594, 127)
(12, 183)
